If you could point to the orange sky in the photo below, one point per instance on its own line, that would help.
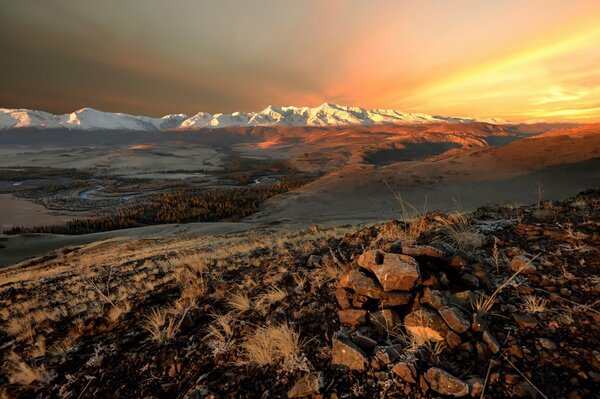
(516, 60)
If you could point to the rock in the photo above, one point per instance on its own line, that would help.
(308, 385)
(483, 352)
(470, 281)
(353, 317)
(524, 390)
(343, 296)
(424, 251)
(446, 248)
(346, 353)
(391, 299)
(475, 386)
(522, 264)
(369, 287)
(457, 262)
(426, 325)
(433, 298)
(453, 339)
(463, 299)
(388, 354)
(359, 301)
(491, 342)
(479, 324)
(395, 272)
(547, 344)
(361, 284)
(484, 277)
(406, 371)
(516, 351)
(313, 261)
(445, 383)
(384, 321)
(364, 342)
(454, 318)
(525, 321)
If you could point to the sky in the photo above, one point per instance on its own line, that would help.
(516, 60)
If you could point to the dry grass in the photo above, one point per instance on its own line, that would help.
(220, 333)
(240, 302)
(161, 326)
(270, 344)
(271, 296)
(462, 234)
(534, 304)
(484, 304)
(21, 373)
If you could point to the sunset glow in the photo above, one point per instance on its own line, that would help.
(513, 60)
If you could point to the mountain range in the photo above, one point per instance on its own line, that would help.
(325, 115)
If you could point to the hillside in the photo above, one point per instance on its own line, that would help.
(503, 302)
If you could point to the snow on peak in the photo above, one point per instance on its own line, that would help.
(326, 114)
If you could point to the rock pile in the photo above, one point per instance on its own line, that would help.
(395, 300)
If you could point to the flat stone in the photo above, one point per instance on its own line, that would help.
(343, 297)
(522, 264)
(308, 385)
(470, 281)
(346, 353)
(424, 251)
(397, 298)
(433, 298)
(491, 342)
(525, 321)
(454, 318)
(547, 344)
(463, 299)
(426, 325)
(453, 339)
(361, 284)
(353, 317)
(384, 321)
(364, 342)
(388, 354)
(369, 287)
(445, 383)
(395, 272)
(406, 371)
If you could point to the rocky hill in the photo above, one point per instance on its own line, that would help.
(504, 302)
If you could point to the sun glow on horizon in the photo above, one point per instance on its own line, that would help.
(509, 59)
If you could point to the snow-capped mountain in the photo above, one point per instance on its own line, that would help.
(324, 115)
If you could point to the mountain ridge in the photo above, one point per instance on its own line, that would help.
(324, 115)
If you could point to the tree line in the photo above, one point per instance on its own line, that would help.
(181, 205)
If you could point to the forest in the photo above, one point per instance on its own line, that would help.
(180, 205)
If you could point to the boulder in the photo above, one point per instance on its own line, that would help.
(426, 325)
(454, 318)
(369, 287)
(346, 353)
(395, 272)
(445, 383)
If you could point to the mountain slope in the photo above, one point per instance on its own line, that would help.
(322, 116)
